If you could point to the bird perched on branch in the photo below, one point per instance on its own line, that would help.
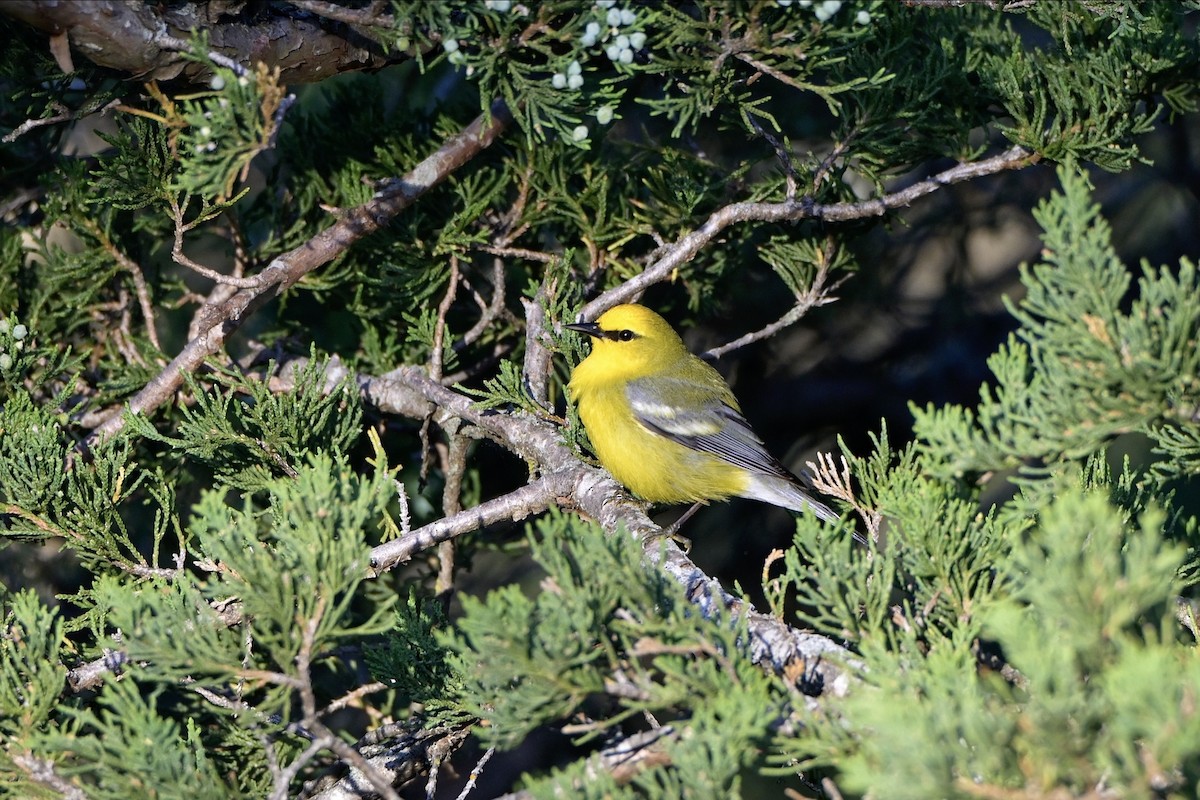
(666, 424)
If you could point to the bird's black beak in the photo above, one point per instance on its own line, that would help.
(590, 328)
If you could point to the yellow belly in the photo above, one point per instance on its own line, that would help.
(649, 465)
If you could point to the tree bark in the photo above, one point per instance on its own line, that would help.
(142, 39)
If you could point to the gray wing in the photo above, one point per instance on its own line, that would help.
(700, 421)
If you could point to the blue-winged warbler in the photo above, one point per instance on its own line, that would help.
(665, 423)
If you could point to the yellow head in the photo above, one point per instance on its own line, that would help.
(631, 341)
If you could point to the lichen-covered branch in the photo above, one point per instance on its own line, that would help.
(565, 480)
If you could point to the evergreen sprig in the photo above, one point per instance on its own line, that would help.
(611, 651)
(127, 728)
(1085, 617)
(248, 434)
(1056, 395)
(31, 675)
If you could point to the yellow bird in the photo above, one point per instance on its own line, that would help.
(665, 423)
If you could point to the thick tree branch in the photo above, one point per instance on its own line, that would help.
(142, 38)
(224, 318)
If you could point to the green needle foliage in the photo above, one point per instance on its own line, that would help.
(248, 434)
(1080, 600)
(1081, 370)
(123, 729)
(192, 606)
(1102, 689)
(610, 653)
(33, 676)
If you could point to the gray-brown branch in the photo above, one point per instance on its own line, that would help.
(143, 39)
(677, 255)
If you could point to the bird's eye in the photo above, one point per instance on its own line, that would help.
(625, 336)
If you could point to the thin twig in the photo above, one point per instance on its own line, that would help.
(777, 74)
(439, 325)
(831, 789)
(271, 677)
(355, 759)
(179, 258)
(439, 329)
(537, 354)
(955, 3)
(475, 773)
(64, 115)
(350, 697)
(828, 479)
(519, 252)
(123, 334)
(138, 568)
(220, 701)
(532, 498)
(139, 279)
(489, 311)
(785, 158)
(815, 296)
(308, 701)
(454, 465)
(839, 148)
(510, 231)
(168, 42)
(285, 775)
(308, 704)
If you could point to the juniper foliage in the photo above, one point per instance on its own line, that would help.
(213, 623)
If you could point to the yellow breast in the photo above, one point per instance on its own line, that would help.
(649, 465)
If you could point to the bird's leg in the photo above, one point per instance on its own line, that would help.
(675, 526)
(672, 532)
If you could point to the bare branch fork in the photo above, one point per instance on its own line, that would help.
(817, 294)
(563, 479)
